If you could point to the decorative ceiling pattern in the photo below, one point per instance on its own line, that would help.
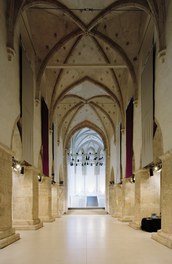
(88, 53)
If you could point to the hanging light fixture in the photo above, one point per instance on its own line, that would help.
(85, 159)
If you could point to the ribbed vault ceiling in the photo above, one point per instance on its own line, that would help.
(87, 56)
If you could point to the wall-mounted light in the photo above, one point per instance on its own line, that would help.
(52, 179)
(155, 167)
(132, 179)
(111, 182)
(16, 166)
(40, 177)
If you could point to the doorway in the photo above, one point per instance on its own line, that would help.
(86, 163)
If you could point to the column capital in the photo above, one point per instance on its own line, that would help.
(135, 102)
(11, 53)
(37, 101)
(50, 130)
(162, 55)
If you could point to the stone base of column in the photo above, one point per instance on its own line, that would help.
(27, 225)
(126, 219)
(57, 215)
(114, 216)
(135, 225)
(163, 238)
(8, 237)
(48, 219)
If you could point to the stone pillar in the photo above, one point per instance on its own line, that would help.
(147, 197)
(45, 200)
(117, 201)
(128, 195)
(111, 200)
(7, 233)
(61, 200)
(164, 236)
(107, 180)
(55, 201)
(25, 200)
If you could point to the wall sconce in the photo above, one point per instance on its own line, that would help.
(155, 167)
(52, 181)
(132, 179)
(40, 177)
(16, 166)
(61, 182)
(121, 181)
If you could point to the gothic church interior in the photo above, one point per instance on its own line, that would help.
(85, 112)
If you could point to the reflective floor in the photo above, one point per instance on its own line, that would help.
(86, 237)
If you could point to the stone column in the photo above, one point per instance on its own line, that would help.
(7, 233)
(117, 201)
(55, 201)
(128, 195)
(146, 197)
(25, 200)
(107, 180)
(111, 200)
(164, 236)
(45, 200)
(61, 200)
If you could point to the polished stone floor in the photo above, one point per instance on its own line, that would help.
(85, 237)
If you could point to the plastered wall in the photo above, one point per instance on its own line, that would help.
(9, 85)
(163, 95)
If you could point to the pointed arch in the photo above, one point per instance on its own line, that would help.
(90, 125)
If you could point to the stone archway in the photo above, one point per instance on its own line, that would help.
(86, 170)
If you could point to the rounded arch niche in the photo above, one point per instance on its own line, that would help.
(86, 166)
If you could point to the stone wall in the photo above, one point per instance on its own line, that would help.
(7, 233)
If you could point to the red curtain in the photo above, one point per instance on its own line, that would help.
(129, 139)
(45, 145)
